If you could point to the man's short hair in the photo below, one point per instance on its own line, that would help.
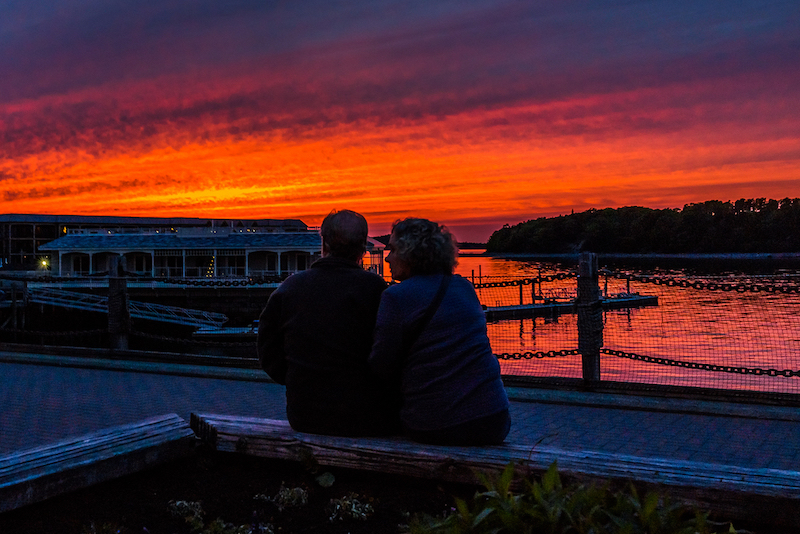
(344, 233)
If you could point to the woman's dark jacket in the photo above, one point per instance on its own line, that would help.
(450, 375)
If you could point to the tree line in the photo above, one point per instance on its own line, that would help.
(714, 226)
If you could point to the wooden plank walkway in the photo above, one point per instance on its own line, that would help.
(39, 473)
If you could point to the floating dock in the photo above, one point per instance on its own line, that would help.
(496, 313)
(551, 308)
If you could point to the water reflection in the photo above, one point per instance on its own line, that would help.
(698, 327)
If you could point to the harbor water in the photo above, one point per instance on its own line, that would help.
(746, 338)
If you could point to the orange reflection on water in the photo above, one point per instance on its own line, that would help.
(690, 330)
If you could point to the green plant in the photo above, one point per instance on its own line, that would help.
(286, 498)
(351, 506)
(547, 506)
(192, 512)
(105, 528)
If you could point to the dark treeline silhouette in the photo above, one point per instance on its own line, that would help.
(462, 245)
(744, 226)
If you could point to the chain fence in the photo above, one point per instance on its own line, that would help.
(732, 332)
(97, 338)
(138, 278)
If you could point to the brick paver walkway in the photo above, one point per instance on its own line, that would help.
(43, 403)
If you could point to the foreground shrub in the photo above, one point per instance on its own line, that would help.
(193, 514)
(548, 507)
(351, 506)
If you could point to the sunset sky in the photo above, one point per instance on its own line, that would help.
(474, 113)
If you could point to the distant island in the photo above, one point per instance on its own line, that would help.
(744, 226)
(462, 245)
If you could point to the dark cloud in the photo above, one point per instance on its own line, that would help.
(76, 45)
(56, 191)
(451, 46)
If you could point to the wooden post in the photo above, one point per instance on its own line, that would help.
(14, 311)
(539, 281)
(23, 326)
(119, 317)
(590, 317)
(19, 300)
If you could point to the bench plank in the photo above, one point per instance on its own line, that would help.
(42, 472)
(396, 455)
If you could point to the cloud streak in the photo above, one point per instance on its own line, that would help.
(443, 110)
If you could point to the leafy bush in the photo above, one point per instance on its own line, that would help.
(192, 512)
(548, 507)
(351, 506)
(286, 498)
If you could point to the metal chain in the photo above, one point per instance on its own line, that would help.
(709, 286)
(219, 283)
(134, 277)
(48, 333)
(757, 371)
(532, 355)
(702, 366)
(100, 332)
(656, 280)
(527, 281)
(48, 278)
(194, 342)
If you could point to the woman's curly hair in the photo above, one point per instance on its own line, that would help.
(425, 246)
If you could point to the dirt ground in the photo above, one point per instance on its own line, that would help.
(226, 486)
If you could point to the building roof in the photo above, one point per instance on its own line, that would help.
(246, 240)
(146, 221)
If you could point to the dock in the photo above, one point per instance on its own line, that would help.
(550, 308)
(494, 313)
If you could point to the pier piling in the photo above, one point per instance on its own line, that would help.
(119, 317)
(590, 317)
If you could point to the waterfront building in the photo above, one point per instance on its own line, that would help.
(163, 247)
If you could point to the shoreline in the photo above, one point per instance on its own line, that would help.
(761, 256)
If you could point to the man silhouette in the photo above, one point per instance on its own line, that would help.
(315, 335)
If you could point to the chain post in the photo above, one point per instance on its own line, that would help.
(590, 317)
(119, 316)
(14, 324)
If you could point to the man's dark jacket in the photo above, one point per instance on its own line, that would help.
(314, 336)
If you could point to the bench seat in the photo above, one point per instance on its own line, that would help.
(39, 473)
(274, 438)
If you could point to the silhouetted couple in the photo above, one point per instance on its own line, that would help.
(361, 359)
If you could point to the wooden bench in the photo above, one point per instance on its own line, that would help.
(42, 472)
(737, 491)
